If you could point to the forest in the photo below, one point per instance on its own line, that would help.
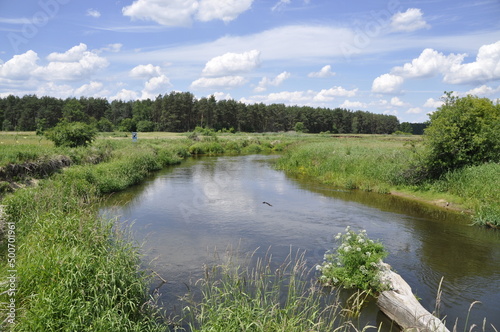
(182, 112)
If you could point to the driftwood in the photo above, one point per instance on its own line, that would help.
(400, 305)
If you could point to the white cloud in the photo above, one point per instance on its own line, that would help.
(277, 81)
(20, 66)
(414, 110)
(55, 90)
(91, 89)
(145, 71)
(231, 63)
(182, 12)
(93, 13)
(326, 71)
(431, 63)
(155, 86)
(125, 95)
(485, 68)
(395, 101)
(326, 95)
(432, 103)
(410, 20)
(225, 10)
(308, 97)
(353, 104)
(73, 54)
(428, 64)
(387, 83)
(75, 64)
(219, 82)
(222, 96)
(483, 90)
(114, 48)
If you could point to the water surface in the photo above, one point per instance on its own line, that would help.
(186, 213)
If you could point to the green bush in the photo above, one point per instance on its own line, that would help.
(145, 126)
(355, 264)
(71, 134)
(463, 132)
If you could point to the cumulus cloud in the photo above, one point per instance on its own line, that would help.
(20, 66)
(395, 101)
(353, 104)
(155, 86)
(307, 97)
(125, 94)
(182, 12)
(414, 110)
(485, 68)
(326, 95)
(91, 89)
(231, 63)
(428, 64)
(114, 48)
(145, 71)
(219, 82)
(387, 83)
(483, 90)
(75, 64)
(432, 103)
(225, 10)
(277, 81)
(410, 20)
(325, 72)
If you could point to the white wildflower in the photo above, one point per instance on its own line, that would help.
(358, 249)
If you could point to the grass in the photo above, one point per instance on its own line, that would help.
(378, 163)
(267, 297)
(75, 271)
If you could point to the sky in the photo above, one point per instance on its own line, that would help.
(390, 57)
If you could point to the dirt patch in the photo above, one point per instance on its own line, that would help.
(13, 172)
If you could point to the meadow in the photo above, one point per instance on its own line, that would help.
(78, 272)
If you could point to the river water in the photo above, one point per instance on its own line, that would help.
(184, 214)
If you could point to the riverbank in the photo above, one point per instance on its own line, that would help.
(64, 267)
(380, 164)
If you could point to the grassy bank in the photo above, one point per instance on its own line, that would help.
(74, 271)
(379, 163)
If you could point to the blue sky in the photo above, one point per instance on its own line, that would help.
(393, 57)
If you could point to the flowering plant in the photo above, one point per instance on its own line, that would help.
(355, 263)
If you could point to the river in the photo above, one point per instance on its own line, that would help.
(184, 214)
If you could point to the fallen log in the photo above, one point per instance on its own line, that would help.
(400, 305)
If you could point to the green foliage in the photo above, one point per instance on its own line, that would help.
(464, 131)
(104, 125)
(355, 263)
(128, 125)
(145, 126)
(72, 134)
(269, 297)
(299, 127)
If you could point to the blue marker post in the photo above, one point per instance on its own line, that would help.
(134, 136)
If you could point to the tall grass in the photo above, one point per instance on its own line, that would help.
(356, 163)
(379, 164)
(75, 271)
(267, 297)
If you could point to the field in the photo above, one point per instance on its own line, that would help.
(75, 271)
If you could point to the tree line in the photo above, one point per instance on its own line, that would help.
(182, 112)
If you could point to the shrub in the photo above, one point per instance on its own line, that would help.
(72, 134)
(464, 131)
(355, 264)
(145, 126)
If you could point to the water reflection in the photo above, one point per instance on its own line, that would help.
(187, 212)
